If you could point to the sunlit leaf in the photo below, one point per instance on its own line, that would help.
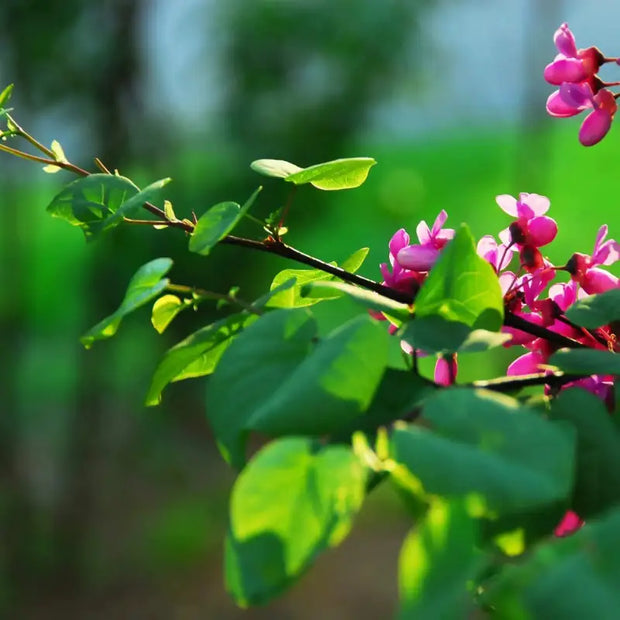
(165, 309)
(274, 168)
(290, 503)
(5, 95)
(146, 284)
(59, 155)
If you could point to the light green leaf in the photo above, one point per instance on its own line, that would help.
(5, 95)
(435, 334)
(216, 223)
(292, 297)
(334, 175)
(165, 309)
(196, 355)
(289, 504)
(59, 155)
(586, 361)
(99, 202)
(274, 168)
(462, 287)
(146, 284)
(438, 561)
(487, 444)
(596, 310)
(331, 175)
(356, 260)
(255, 365)
(572, 578)
(367, 299)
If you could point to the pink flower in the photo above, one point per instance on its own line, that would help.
(400, 278)
(421, 257)
(584, 269)
(532, 227)
(570, 523)
(571, 64)
(498, 256)
(445, 370)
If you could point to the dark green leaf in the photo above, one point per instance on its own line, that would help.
(146, 284)
(99, 202)
(487, 444)
(597, 485)
(331, 387)
(572, 578)
(435, 334)
(596, 310)
(437, 562)
(251, 370)
(462, 287)
(586, 361)
(196, 355)
(368, 299)
(290, 503)
(216, 223)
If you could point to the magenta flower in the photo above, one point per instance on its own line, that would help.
(531, 228)
(571, 65)
(570, 523)
(499, 256)
(400, 278)
(445, 370)
(585, 269)
(421, 257)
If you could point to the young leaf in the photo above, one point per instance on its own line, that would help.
(586, 361)
(368, 299)
(99, 202)
(146, 284)
(255, 365)
(597, 484)
(356, 260)
(331, 175)
(437, 562)
(487, 444)
(59, 155)
(596, 310)
(165, 309)
(462, 287)
(290, 503)
(216, 223)
(5, 95)
(203, 348)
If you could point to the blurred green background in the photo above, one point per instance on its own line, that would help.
(109, 510)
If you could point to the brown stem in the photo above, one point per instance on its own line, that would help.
(508, 384)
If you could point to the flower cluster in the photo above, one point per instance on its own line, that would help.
(531, 292)
(575, 72)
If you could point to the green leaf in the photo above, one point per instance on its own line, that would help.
(596, 310)
(356, 260)
(5, 95)
(597, 484)
(290, 503)
(59, 155)
(331, 175)
(274, 168)
(437, 562)
(367, 299)
(435, 334)
(147, 283)
(487, 444)
(586, 361)
(572, 578)
(335, 175)
(255, 365)
(99, 202)
(292, 297)
(216, 223)
(165, 309)
(330, 388)
(196, 355)
(462, 287)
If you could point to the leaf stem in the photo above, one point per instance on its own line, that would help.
(204, 294)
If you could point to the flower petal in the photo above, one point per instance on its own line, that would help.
(526, 364)
(556, 106)
(565, 70)
(440, 220)
(417, 257)
(423, 232)
(594, 127)
(565, 41)
(542, 230)
(598, 281)
(445, 371)
(398, 241)
(508, 204)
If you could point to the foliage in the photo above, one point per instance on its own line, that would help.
(488, 471)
